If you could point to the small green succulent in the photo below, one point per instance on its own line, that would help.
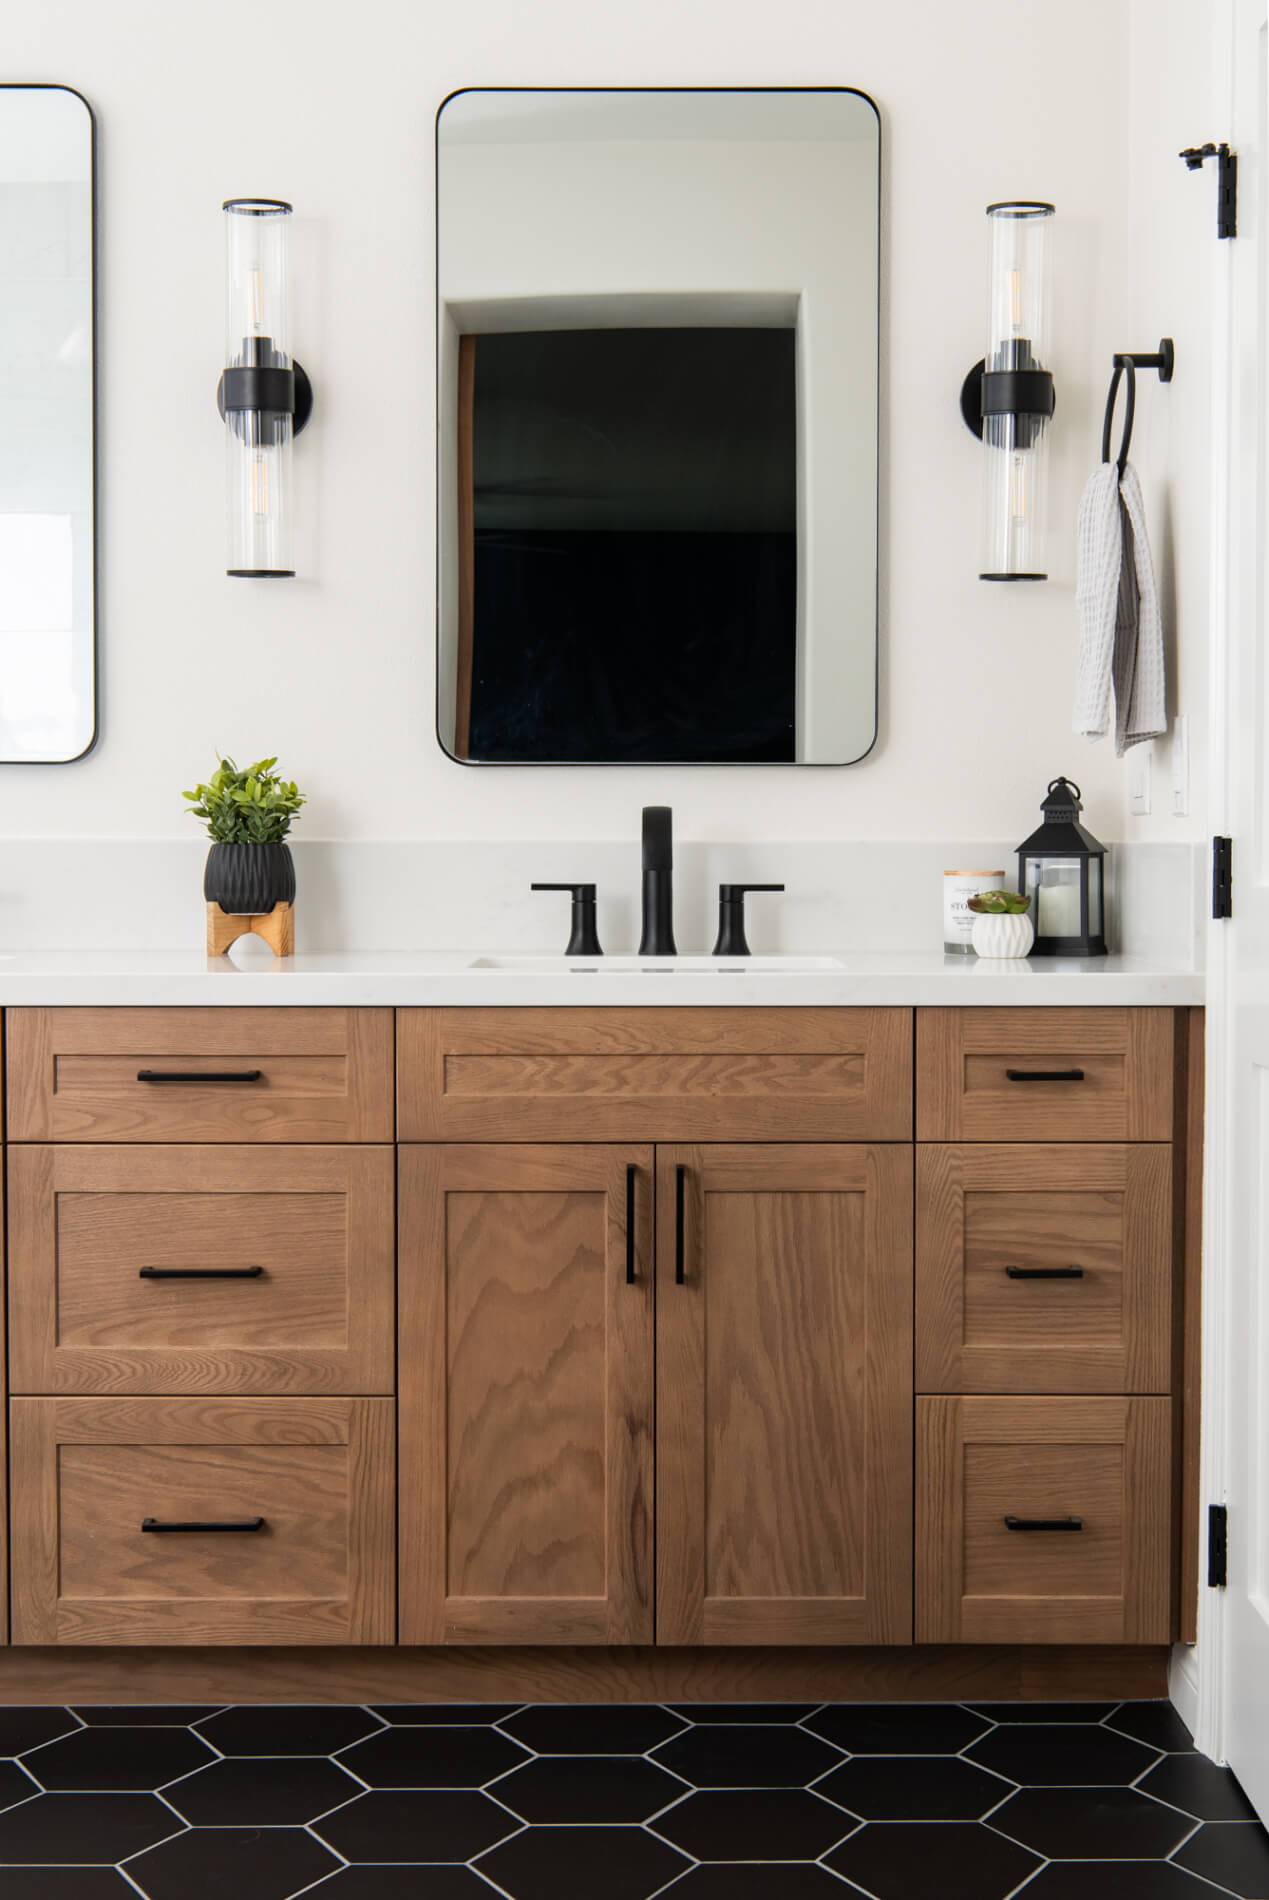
(254, 806)
(999, 903)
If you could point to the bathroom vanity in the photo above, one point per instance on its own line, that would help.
(445, 1350)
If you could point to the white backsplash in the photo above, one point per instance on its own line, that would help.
(113, 895)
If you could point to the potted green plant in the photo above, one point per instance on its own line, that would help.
(248, 813)
(1001, 927)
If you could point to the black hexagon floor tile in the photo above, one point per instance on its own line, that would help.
(1091, 1823)
(583, 1728)
(754, 1824)
(1042, 1711)
(66, 1883)
(15, 1784)
(93, 1828)
(1157, 1724)
(720, 1755)
(917, 1788)
(243, 1791)
(559, 1863)
(743, 1711)
(154, 1715)
(433, 1757)
(21, 1728)
(296, 1729)
(898, 1728)
(759, 1880)
(959, 1860)
(1118, 1880)
(109, 1758)
(1199, 1787)
(252, 1863)
(395, 1824)
(1062, 1754)
(1234, 1854)
(401, 1883)
(596, 1789)
(445, 1714)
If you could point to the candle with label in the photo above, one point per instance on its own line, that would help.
(958, 918)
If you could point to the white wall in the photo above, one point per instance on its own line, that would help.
(335, 671)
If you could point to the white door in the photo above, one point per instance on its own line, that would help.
(1240, 962)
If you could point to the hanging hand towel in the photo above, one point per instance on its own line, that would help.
(1121, 628)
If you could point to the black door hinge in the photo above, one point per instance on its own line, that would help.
(1217, 1546)
(1226, 182)
(1222, 877)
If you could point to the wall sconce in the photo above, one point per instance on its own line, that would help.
(264, 397)
(1007, 399)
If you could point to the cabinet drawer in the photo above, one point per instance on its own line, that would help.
(315, 1476)
(202, 1269)
(200, 1074)
(655, 1074)
(1099, 1467)
(1044, 1075)
(1044, 1268)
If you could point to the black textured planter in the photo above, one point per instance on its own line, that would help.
(249, 879)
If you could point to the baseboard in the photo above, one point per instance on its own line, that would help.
(1183, 1683)
(950, 1673)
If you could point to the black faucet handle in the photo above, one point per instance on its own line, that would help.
(731, 917)
(584, 936)
(658, 838)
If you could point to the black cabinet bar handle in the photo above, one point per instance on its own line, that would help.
(680, 1259)
(1045, 1075)
(631, 1172)
(199, 1273)
(199, 1075)
(243, 1524)
(1045, 1273)
(1044, 1523)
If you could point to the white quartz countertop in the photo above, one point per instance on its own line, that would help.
(470, 979)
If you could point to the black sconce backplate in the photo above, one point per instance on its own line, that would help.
(303, 398)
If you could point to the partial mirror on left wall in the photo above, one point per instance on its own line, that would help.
(48, 697)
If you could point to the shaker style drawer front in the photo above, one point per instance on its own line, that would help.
(200, 1075)
(1044, 1075)
(655, 1074)
(201, 1269)
(1043, 1520)
(152, 1521)
(1044, 1268)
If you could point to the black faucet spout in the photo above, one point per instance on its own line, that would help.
(658, 882)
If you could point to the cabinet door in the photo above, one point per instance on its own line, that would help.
(784, 1394)
(526, 1394)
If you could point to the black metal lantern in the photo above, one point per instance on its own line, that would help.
(1061, 868)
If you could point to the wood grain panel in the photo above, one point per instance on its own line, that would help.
(964, 1092)
(325, 1075)
(86, 1472)
(655, 1074)
(1104, 1460)
(1190, 1342)
(87, 1218)
(1106, 1208)
(526, 1395)
(784, 1396)
(929, 1673)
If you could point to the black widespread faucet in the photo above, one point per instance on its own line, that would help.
(658, 883)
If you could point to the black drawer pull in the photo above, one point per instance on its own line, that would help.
(199, 1075)
(1045, 1273)
(243, 1524)
(680, 1223)
(631, 1173)
(199, 1273)
(1044, 1523)
(1045, 1075)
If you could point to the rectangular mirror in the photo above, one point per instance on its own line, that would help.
(657, 396)
(47, 585)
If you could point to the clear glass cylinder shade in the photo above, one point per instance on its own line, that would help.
(258, 441)
(1016, 447)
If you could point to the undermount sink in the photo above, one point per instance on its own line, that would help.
(656, 966)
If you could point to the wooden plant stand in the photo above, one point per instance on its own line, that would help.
(276, 926)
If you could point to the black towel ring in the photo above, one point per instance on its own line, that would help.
(1163, 359)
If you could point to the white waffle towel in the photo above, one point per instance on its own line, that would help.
(1121, 628)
